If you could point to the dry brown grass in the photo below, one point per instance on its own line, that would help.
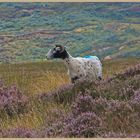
(34, 78)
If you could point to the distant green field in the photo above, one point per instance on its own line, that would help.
(29, 30)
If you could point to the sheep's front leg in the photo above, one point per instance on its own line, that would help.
(99, 77)
(74, 79)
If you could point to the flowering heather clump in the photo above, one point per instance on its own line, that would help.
(86, 124)
(100, 106)
(119, 89)
(83, 103)
(119, 107)
(2, 133)
(18, 133)
(135, 100)
(80, 122)
(53, 131)
(53, 125)
(114, 135)
(134, 135)
(120, 135)
(130, 72)
(11, 100)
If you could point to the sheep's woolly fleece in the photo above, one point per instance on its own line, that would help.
(89, 68)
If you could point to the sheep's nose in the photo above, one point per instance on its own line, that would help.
(47, 57)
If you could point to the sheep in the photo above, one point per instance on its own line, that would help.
(88, 68)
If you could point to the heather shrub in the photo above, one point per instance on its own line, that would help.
(52, 131)
(114, 135)
(120, 135)
(134, 135)
(122, 85)
(86, 124)
(115, 115)
(2, 133)
(12, 101)
(119, 90)
(83, 103)
(130, 72)
(53, 123)
(80, 122)
(135, 100)
(100, 106)
(18, 133)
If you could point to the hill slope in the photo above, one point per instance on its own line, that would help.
(106, 108)
(28, 30)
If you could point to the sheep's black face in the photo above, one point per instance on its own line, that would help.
(57, 52)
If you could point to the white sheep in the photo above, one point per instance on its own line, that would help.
(88, 68)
